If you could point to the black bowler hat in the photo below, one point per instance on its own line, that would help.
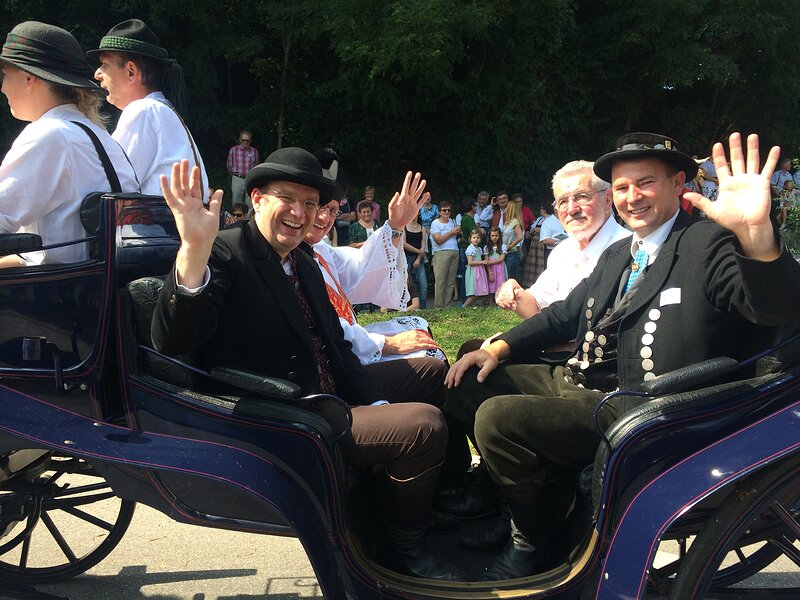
(50, 53)
(646, 145)
(295, 165)
(134, 37)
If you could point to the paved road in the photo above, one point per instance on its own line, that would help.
(159, 559)
(164, 560)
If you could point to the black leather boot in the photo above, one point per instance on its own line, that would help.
(480, 499)
(535, 524)
(492, 539)
(406, 516)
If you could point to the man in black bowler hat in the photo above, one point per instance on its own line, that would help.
(678, 292)
(255, 270)
(134, 69)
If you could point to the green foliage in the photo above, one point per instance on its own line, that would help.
(452, 327)
(476, 94)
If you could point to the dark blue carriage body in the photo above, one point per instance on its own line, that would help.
(261, 465)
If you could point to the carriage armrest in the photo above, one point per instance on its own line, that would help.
(14, 243)
(691, 376)
(274, 388)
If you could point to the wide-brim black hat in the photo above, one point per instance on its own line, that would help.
(295, 165)
(646, 145)
(133, 37)
(50, 53)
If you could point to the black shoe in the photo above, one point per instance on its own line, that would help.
(515, 562)
(476, 502)
(443, 523)
(492, 539)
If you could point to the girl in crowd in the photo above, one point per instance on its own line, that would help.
(416, 241)
(445, 255)
(512, 238)
(475, 280)
(496, 253)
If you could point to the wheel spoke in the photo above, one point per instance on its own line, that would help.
(787, 546)
(787, 518)
(62, 543)
(97, 522)
(59, 503)
(23, 557)
(78, 489)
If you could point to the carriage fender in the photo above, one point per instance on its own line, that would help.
(681, 487)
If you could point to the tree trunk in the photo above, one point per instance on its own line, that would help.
(287, 47)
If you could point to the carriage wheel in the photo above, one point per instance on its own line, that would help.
(72, 520)
(763, 514)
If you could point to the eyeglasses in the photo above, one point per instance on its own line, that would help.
(331, 210)
(286, 199)
(444, 210)
(245, 141)
(581, 198)
(238, 215)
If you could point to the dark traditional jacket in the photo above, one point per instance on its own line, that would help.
(248, 317)
(698, 300)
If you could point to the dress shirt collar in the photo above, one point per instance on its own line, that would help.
(652, 243)
(66, 112)
(600, 241)
(159, 96)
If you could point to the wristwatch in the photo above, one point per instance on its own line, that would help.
(396, 233)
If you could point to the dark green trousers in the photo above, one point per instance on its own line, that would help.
(528, 421)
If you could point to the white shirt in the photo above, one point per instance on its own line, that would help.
(153, 137)
(373, 274)
(450, 243)
(568, 265)
(45, 176)
(551, 227)
(484, 217)
(653, 242)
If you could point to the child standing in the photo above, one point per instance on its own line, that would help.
(475, 283)
(495, 260)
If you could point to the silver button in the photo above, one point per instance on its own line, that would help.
(601, 339)
(647, 364)
(646, 352)
(589, 336)
(598, 352)
(585, 363)
(588, 324)
(647, 339)
(585, 346)
(590, 302)
(650, 327)
(654, 314)
(573, 361)
(649, 375)
(598, 360)
(588, 314)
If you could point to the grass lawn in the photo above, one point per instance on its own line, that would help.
(453, 326)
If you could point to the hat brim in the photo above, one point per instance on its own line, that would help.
(95, 54)
(58, 77)
(679, 160)
(266, 172)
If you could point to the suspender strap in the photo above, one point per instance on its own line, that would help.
(111, 174)
(191, 142)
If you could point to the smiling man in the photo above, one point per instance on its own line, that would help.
(679, 292)
(248, 298)
(584, 208)
(134, 69)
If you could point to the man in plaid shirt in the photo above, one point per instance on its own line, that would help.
(241, 159)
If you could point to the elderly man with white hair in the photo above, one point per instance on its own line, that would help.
(583, 206)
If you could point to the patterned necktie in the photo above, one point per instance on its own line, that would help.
(638, 266)
(326, 382)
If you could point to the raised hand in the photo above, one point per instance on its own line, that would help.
(405, 204)
(197, 225)
(743, 203)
